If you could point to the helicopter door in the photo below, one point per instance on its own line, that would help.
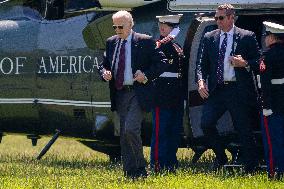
(95, 35)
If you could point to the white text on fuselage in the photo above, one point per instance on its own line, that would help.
(50, 65)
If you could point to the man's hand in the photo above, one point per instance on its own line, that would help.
(202, 89)
(139, 76)
(107, 75)
(238, 61)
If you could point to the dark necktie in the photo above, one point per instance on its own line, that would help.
(220, 66)
(120, 67)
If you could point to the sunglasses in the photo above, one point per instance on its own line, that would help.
(266, 33)
(117, 26)
(219, 18)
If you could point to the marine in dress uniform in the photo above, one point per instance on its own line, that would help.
(272, 87)
(170, 93)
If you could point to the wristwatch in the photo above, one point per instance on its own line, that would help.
(247, 65)
(145, 79)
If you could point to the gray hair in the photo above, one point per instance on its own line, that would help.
(124, 14)
(230, 9)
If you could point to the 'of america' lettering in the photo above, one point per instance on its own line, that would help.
(50, 65)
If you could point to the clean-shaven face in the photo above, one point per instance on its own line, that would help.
(122, 27)
(165, 29)
(224, 22)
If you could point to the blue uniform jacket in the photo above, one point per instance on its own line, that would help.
(272, 68)
(171, 91)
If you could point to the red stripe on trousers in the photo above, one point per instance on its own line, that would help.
(156, 151)
(271, 166)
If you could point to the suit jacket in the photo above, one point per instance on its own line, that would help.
(145, 57)
(244, 44)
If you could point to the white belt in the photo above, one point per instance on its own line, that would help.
(170, 74)
(277, 81)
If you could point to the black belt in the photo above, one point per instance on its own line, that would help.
(127, 88)
(229, 82)
(226, 83)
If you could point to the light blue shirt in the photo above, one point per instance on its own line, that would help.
(128, 76)
(229, 72)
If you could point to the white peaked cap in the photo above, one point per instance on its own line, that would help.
(273, 27)
(174, 19)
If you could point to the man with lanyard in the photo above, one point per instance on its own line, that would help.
(170, 93)
(272, 87)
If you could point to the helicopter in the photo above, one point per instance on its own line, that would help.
(49, 73)
(50, 51)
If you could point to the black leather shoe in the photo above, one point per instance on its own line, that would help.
(251, 169)
(276, 176)
(135, 174)
(130, 174)
(219, 163)
(141, 172)
(216, 165)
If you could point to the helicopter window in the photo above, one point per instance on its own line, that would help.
(96, 33)
(49, 9)
(75, 5)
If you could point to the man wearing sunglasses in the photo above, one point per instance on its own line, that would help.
(130, 63)
(228, 57)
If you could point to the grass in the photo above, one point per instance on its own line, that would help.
(69, 164)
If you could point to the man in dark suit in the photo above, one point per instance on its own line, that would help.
(228, 57)
(130, 63)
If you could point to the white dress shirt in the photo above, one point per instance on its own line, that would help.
(229, 72)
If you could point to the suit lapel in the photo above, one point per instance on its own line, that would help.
(134, 50)
(236, 39)
(114, 52)
(216, 43)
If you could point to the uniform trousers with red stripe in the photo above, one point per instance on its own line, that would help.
(166, 135)
(273, 142)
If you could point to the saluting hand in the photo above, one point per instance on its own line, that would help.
(107, 75)
(203, 89)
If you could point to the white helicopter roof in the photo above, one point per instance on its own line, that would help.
(211, 5)
(125, 3)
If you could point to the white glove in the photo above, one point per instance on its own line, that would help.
(267, 112)
(174, 32)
